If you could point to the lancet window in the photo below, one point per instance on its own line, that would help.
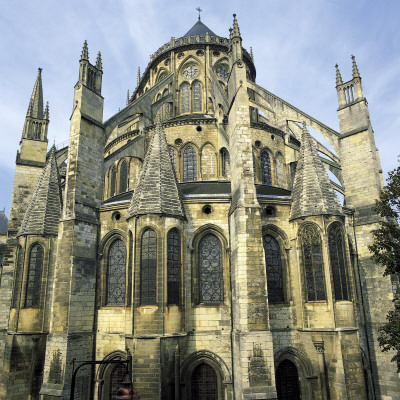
(185, 98)
(116, 273)
(123, 177)
(274, 269)
(266, 176)
(189, 164)
(148, 270)
(33, 284)
(313, 264)
(211, 285)
(113, 181)
(197, 103)
(338, 262)
(173, 266)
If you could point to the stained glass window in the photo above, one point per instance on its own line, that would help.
(254, 169)
(210, 270)
(116, 379)
(313, 264)
(33, 285)
(18, 278)
(185, 98)
(287, 381)
(338, 263)
(226, 163)
(280, 172)
(113, 180)
(148, 272)
(189, 164)
(266, 178)
(197, 103)
(274, 269)
(116, 273)
(293, 166)
(173, 266)
(172, 154)
(204, 384)
(123, 177)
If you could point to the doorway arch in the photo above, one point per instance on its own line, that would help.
(287, 381)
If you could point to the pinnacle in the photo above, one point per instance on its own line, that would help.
(235, 28)
(99, 64)
(127, 98)
(356, 73)
(312, 192)
(44, 209)
(47, 112)
(85, 51)
(157, 190)
(138, 76)
(251, 54)
(338, 76)
(35, 108)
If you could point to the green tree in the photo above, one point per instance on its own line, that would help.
(386, 251)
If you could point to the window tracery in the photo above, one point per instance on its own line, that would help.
(211, 285)
(173, 266)
(32, 298)
(266, 176)
(338, 262)
(148, 270)
(189, 164)
(313, 264)
(116, 273)
(274, 269)
(113, 181)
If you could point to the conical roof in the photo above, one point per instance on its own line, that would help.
(312, 192)
(44, 209)
(3, 222)
(199, 29)
(35, 108)
(157, 189)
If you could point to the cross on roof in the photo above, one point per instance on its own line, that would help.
(199, 10)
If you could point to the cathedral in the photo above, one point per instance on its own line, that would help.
(192, 246)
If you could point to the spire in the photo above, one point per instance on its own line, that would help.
(312, 192)
(338, 76)
(157, 189)
(235, 28)
(138, 76)
(35, 108)
(251, 54)
(356, 73)
(85, 51)
(44, 209)
(99, 64)
(47, 112)
(127, 98)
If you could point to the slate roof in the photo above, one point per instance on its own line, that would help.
(3, 222)
(44, 209)
(199, 29)
(312, 192)
(157, 188)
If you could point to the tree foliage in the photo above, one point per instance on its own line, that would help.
(386, 251)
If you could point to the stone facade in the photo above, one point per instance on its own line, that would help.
(195, 235)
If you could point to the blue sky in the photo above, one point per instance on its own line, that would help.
(296, 44)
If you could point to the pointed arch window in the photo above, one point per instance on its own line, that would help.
(148, 270)
(116, 273)
(338, 262)
(226, 163)
(211, 285)
(189, 164)
(123, 177)
(266, 177)
(274, 269)
(173, 266)
(313, 264)
(34, 279)
(197, 103)
(113, 181)
(185, 98)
